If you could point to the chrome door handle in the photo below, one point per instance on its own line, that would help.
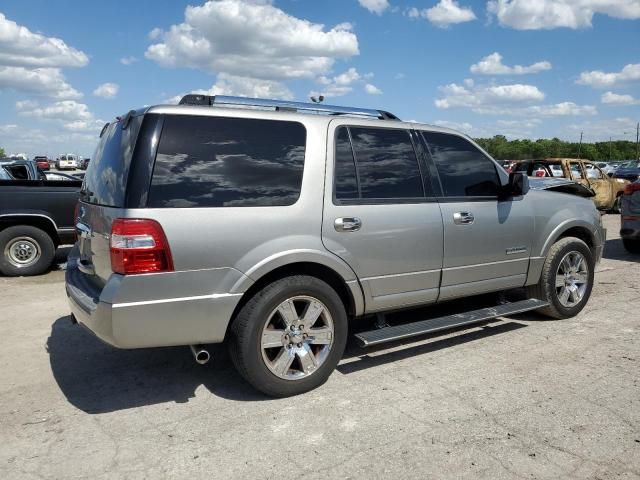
(347, 224)
(463, 218)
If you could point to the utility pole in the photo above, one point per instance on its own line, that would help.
(638, 141)
(580, 145)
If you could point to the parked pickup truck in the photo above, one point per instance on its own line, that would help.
(608, 191)
(36, 216)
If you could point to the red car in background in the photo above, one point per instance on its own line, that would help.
(42, 162)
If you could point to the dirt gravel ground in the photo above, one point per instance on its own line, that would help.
(518, 398)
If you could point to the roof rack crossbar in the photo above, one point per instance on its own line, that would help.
(285, 105)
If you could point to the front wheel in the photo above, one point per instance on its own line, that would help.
(567, 278)
(289, 337)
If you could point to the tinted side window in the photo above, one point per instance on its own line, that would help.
(464, 170)
(19, 172)
(346, 180)
(106, 178)
(386, 162)
(227, 162)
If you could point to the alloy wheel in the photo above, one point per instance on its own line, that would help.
(297, 337)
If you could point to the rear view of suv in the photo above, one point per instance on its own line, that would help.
(270, 228)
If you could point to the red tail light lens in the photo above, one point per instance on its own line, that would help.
(540, 173)
(139, 246)
(632, 187)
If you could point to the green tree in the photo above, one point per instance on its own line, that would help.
(2, 154)
(502, 149)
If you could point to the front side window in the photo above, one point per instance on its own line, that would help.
(463, 169)
(227, 162)
(386, 166)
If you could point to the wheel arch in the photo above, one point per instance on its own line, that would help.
(572, 228)
(343, 282)
(41, 221)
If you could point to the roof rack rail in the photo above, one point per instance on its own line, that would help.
(285, 105)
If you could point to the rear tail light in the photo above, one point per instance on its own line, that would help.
(139, 246)
(632, 187)
(540, 173)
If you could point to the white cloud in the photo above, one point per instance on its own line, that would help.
(155, 33)
(372, 89)
(516, 99)
(48, 82)
(129, 60)
(87, 126)
(339, 85)
(107, 90)
(375, 6)
(559, 109)
(600, 79)
(492, 65)
(520, 123)
(66, 110)
(602, 129)
(254, 39)
(548, 14)
(611, 98)
(36, 141)
(243, 86)
(19, 47)
(479, 96)
(461, 126)
(444, 14)
(30, 62)
(8, 128)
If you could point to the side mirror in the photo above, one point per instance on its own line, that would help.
(518, 184)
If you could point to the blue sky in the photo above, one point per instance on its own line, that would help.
(523, 68)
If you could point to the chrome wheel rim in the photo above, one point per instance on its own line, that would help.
(572, 279)
(22, 252)
(297, 337)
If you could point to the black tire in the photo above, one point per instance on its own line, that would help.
(630, 245)
(545, 289)
(245, 335)
(34, 238)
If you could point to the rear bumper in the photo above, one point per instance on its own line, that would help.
(114, 317)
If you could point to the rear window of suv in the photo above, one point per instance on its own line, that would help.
(227, 162)
(105, 181)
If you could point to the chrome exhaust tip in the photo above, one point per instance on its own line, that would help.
(200, 354)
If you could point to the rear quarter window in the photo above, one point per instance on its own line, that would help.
(227, 162)
(105, 180)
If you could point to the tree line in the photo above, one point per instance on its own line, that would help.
(502, 149)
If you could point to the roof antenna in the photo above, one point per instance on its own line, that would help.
(320, 99)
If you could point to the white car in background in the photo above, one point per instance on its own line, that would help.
(66, 162)
(556, 169)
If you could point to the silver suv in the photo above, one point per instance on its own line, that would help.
(271, 226)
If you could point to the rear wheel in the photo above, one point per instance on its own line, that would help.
(289, 337)
(631, 246)
(567, 278)
(25, 250)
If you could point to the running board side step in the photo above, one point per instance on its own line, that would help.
(408, 330)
